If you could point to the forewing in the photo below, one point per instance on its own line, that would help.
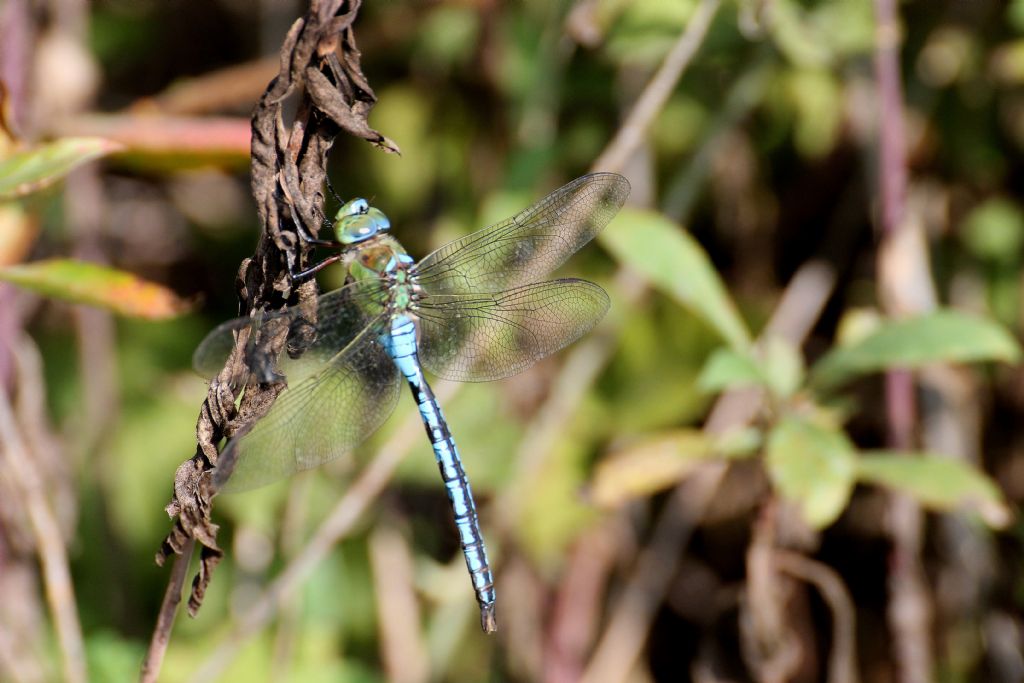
(312, 339)
(318, 418)
(481, 337)
(528, 246)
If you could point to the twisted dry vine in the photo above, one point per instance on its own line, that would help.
(320, 66)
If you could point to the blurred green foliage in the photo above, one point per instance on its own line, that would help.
(762, 158)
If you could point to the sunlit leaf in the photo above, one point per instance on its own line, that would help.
(817, 100)
(674, 262)
(994, 230)
(728, 369)
(818, 34)
(943, 336)
(738, 442)
(858, 323)
(32, 169)
(797, 38)
(661, 460)
(88, 283)
(813, 466)
(448, 35)
(783, 366)
(647, 467)
(643, 31)
(938, 482)
(1007, 63)
(777, 366)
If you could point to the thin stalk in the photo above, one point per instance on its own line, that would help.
(909, 609)
(60, 593)
(165, 620)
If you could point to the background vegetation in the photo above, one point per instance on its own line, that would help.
(788, 454)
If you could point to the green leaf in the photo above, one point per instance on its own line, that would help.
(88, 283)
(994, 230)
(778, 367)
(797, 38)
(32, 169)
(813, 466)
(942, 336)
(662, 460)
(648, 466)
(937, 482)
(728, 369)
(783, 366)
(675, 263)
(739, 442)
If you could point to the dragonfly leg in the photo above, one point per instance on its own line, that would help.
(303, 275)
(316, 241)
(308, 237)
(331, 244)
(333, 192)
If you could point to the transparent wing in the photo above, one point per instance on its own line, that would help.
(528, 246)
(480, 337)
(318, 418)
(313, 339)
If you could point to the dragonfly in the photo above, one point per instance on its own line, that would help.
(476, 309)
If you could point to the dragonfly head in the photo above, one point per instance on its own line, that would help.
(357, 221)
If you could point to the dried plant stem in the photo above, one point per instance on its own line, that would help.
(656, 93)
(842, 660)
(403, 651)
(577, 606)
(60, 595)
(165, 620)
(320, 64)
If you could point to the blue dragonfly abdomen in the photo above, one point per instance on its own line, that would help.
(400, 342)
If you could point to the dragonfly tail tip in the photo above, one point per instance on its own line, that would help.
(487, 620)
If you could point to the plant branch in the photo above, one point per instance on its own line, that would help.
(19, 464)
(165, 620)
(842, 660)
(909, 609)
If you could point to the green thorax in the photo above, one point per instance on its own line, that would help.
(385, 258)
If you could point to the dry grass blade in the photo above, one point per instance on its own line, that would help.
(18, 462)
